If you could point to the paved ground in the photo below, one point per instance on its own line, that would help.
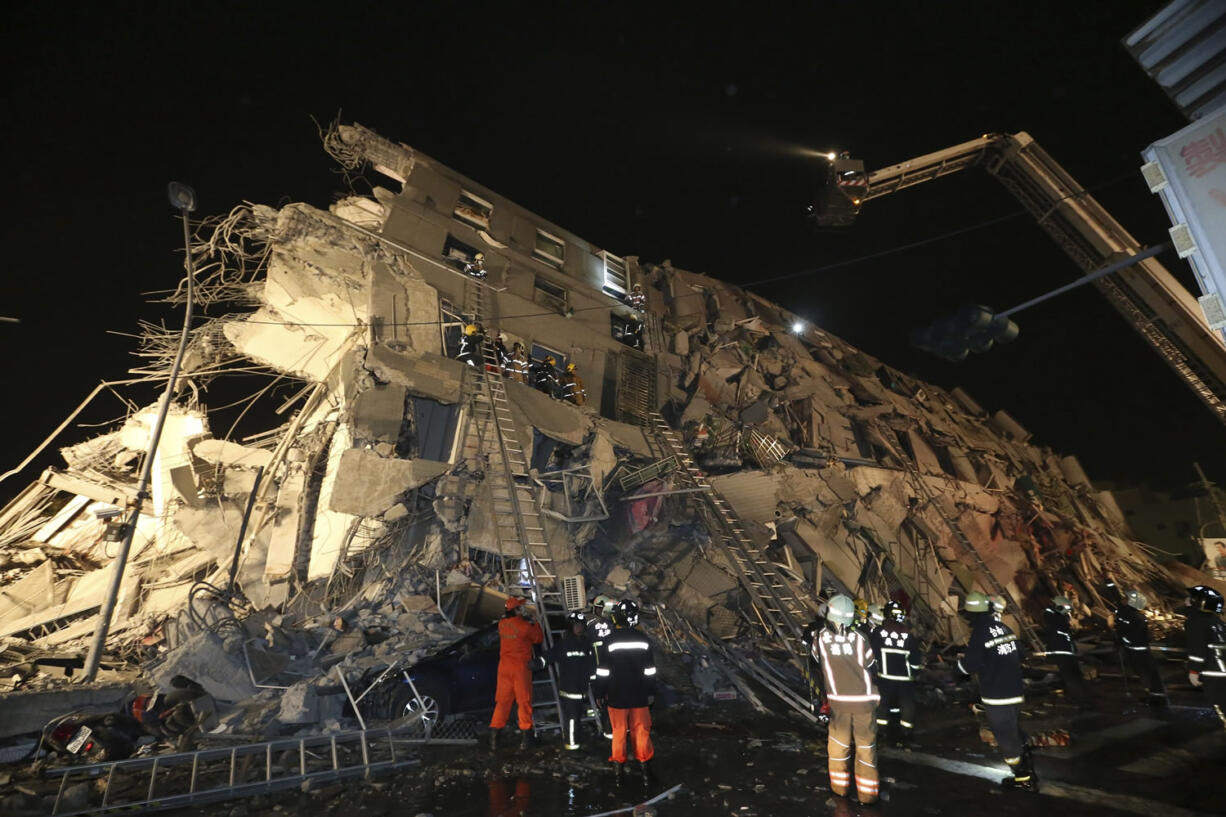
(1123, 759)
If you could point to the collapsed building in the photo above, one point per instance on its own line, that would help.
(733, 466)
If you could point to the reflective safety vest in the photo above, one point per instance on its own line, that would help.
(994, 652)
(847, 663)
(1058, 632)
(572, 388)
(897, 651)
(516, 366)
(626, 673)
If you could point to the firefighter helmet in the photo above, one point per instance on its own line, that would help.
(976, 602)
(549, 360)
(1211, 601)
(841, 611)
(577, 617)
(1135, 599)
(998, 603)
(1062, 603)
(1196, 596)
(602, 605)
(861, 609)
(894, 612)
(470, 329)
(570, 367)
(875, 615)
(479, 257)
(515, 602)
(638, 287)
(626, 613)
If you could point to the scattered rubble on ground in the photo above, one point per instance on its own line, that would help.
(372, 534)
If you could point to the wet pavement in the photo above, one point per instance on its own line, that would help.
(1122, 759)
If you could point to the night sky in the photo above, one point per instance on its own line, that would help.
(667, 131)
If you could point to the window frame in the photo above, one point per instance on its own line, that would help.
(613, 287)
(544, 257)
(473, 198)
(542, 294)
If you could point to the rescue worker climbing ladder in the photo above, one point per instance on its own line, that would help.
(471, 341)
(517, 635)
(847, 663)
(626, 678)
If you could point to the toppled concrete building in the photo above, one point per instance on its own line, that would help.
(733, 465)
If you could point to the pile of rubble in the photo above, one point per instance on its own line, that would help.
(372, 536)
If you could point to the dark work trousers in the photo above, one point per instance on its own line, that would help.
(1074, 684)
(897, 707)
(1143, 664)
(572, 716)
(1005, 726)
(1215, 693)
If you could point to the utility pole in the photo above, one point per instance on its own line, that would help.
(182, 198)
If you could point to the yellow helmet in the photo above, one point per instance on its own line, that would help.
(549, 359)
(861, 609)
(479, 256)
(470, 329)
(570, 367)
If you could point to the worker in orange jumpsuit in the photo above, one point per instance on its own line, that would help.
(517, 634)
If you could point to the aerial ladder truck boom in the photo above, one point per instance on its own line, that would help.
(1154, 303)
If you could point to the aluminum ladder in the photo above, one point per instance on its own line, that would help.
(518, 520)
(212, 775)
(780, 612)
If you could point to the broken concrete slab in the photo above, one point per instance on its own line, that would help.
(367, 484)
(378, 413)
(216, 664)
(424, 374)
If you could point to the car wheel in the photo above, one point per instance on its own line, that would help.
(435, 703)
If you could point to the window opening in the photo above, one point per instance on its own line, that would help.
(540, 352)
(551, 295)
(457, 253)
(474, 211)
(549, 248)
(615, 280)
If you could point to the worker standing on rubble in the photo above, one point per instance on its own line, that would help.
(476, 267)
(898, 660)
(847, 663)
(575, 659)
(1132, 628)
(1058, 641)
(517, 635)
(572, 386)
(1207, 649)
(637, 299)
(545, 376)
(994, 653)
(599, 625)
(516, 365)
(626, 679)
(471, 341)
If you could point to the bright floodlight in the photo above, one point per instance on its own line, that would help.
(798, 327)
(831, 156)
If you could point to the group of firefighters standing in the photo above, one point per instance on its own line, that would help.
(601, 657)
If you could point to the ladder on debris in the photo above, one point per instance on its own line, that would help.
(212, 775)
(1032, 637)
(517, 517)
(781, 613)
(767, 450)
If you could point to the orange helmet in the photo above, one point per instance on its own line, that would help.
(514, 602)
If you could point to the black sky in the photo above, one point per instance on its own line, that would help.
(660, 130)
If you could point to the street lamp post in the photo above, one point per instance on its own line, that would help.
(182, 198)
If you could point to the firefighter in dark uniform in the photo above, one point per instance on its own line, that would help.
(575, 660)
(476, 267)
(994, 654)
(1058, 642)
(544, 376)
(1207, 649)
(898, 661)
(847, 663)
(470, 345)
(626, 679)
(501, 353)
(599, 625)
(1132, 628)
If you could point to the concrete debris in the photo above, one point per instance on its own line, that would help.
(383, 502)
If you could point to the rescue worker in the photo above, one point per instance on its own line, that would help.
(847, 663)
(599, 625)
(1132, 628)
(1058, 642)
(572, 386)
(501, 353)
(862, 623)
(476, 267)
(1207, 650)
(516, 365)
(812, 671)
(898, 661)
(575, 659)
(518, 633)
(876, 617)
(471, 341)
(626, 679)
(994, 654)
(545, 376)
(637, 299)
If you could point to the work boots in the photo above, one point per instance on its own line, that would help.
(493, 739)
(1024, 777)
(649, 773)
(525, 738)
(621, 773)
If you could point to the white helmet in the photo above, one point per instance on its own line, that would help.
(841, 611)
(1135, 599)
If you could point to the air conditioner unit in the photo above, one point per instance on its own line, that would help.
(574, 594)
